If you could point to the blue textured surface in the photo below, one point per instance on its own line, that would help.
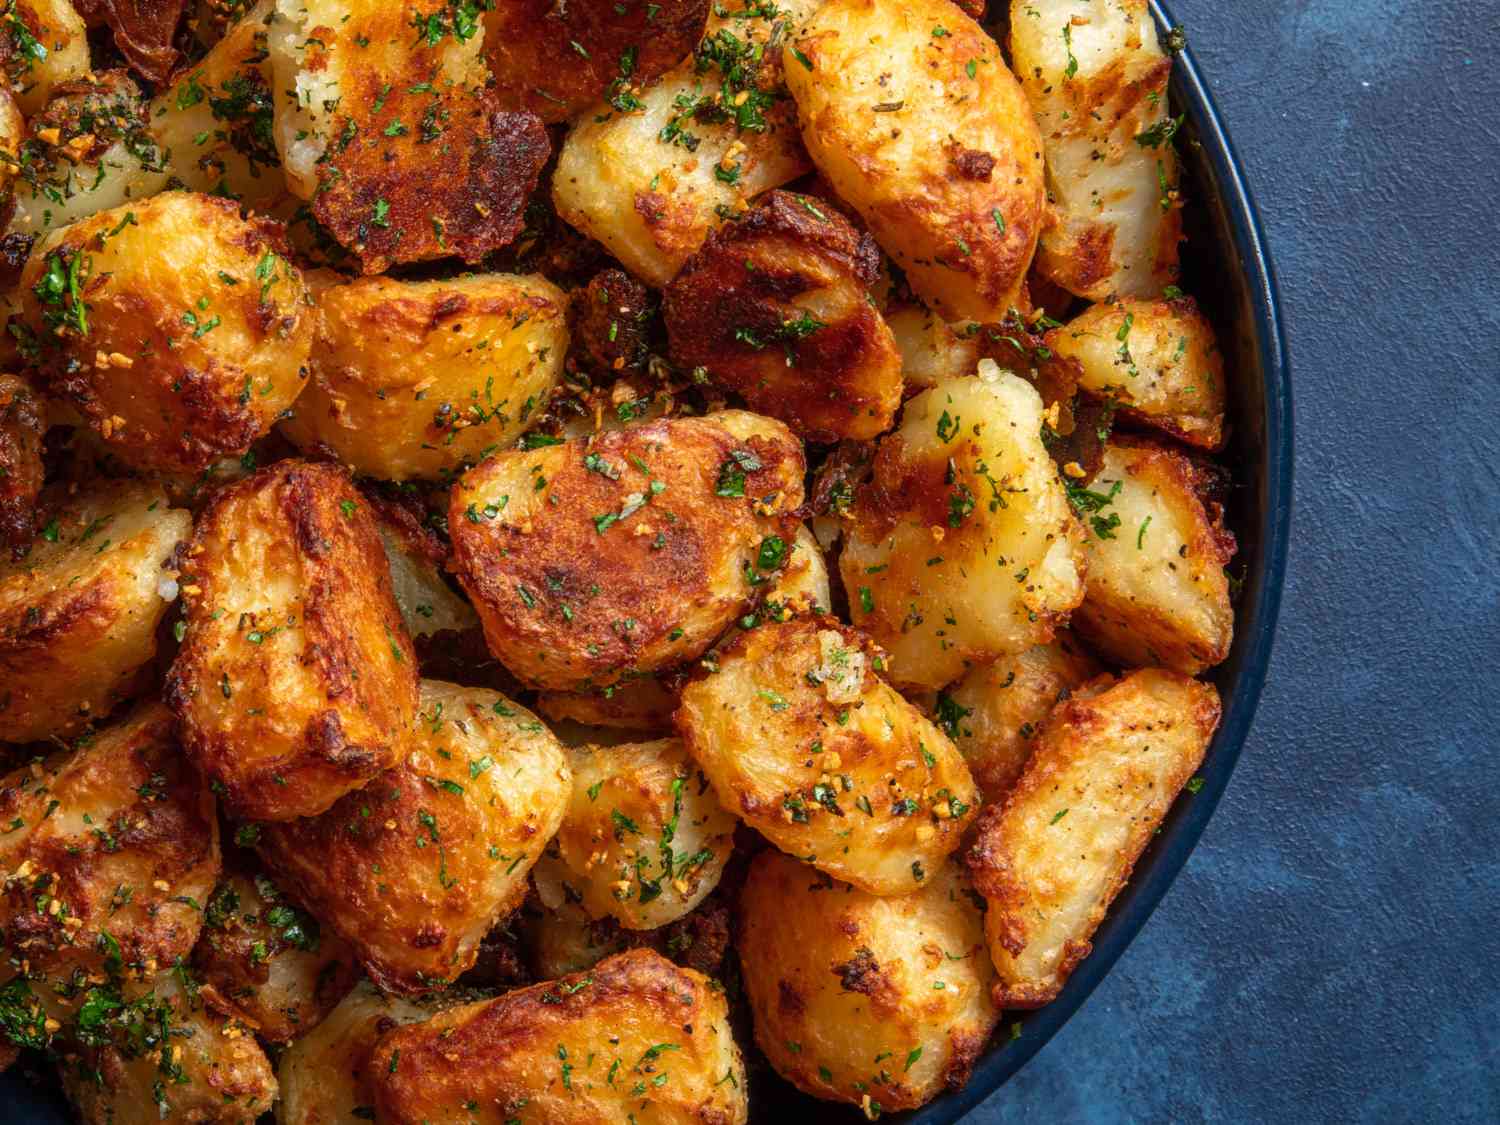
(1330, 952)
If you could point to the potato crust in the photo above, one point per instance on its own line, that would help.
(296, 681)
(1108, 765)
(55, 26)
(175, 328)
(930, 138)
(875, 1001)
(776, 308)
(416, 379)
(79, 612)
(594, 560)
(415, 868)
(803, 741)
(23, 423)
(575, 1051)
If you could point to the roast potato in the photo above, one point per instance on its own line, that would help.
(804, 742)
(635, 1034)
(932, 350)
(23, 422)
(43, 43)
(876, 1001)
(593, 560)
(296, 681)
(79, 611)
(428, 606)
(929, 137)
(641, 703)
(563, 939)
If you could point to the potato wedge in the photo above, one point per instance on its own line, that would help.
(23, 424)
(930, 138)
(1108, 765)
(296, 681)
(880, 1002)
(44, 44)
(932, 350)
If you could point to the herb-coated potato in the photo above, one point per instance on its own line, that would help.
(1108, 765)
(963, 547)
(23, 423)
(876, 1001)
(175, 327)
(78, 613)
(12, 136)
(44, 44)
(1157, 361)
(1096, 76)
(644, 839)
(635, 1034)
(1156, 591)
(296, 681)
(932, 350)
(416, 379)
(415, 868)
(804, 742)
(626, 553)
(930, 138)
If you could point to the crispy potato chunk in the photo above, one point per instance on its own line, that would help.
(1097, 78)
(644, 839)
(930, 138)
(428, 605)
(643, 703)
(865, 999)
(651, 180)
(12, 135)
(416, 379)
(776, 308)
(559, 59)
(995, 712)
(932, 350)
(803, 740)
(610, 320)
(23, 423)
(963, 547)
(384, 125)
(415, 868)
(296, 681)
(592, 560)
(78, 613)
(42, 45)
(139, 329)
(1157, 592)
(1050, 860)
(548, 1053)
(1157, 361)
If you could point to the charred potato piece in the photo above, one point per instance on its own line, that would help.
(776, 308)
(878, 1002)
(414, 869)
(1049, 861)
(174, 327)
(593, 560)
(1157, 547)
(416, 379)
(42, 45)
(930, 138)
(23, 423)
(79, 612)
(644, 839)
(932, 350)
(609, 323)
(802, 740)
(1096, 76)
(1157, 361)
(963, 547)
(559, 59)
(142, 32)
(296, 681)
(548, 1053)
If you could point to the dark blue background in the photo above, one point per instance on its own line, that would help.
(1331, 952)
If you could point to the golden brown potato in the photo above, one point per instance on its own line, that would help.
(384, 126)
(995, 712)
(1157, 547)
(627, 553)
(776, 308)
(23, 423)
(1157, 361)
(174, 327)
(296, 681)
(1097, 78)
(879, 1002)
(643, 703)
(559, 59)
(12, 135)
(644, 839)
(267, 963)
(963, 547)
(415, 868)
(416, 379)
(635, 1034)
(803, 741)
(930, 138)
(78, 613)
(42, 44)
(932, 350)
